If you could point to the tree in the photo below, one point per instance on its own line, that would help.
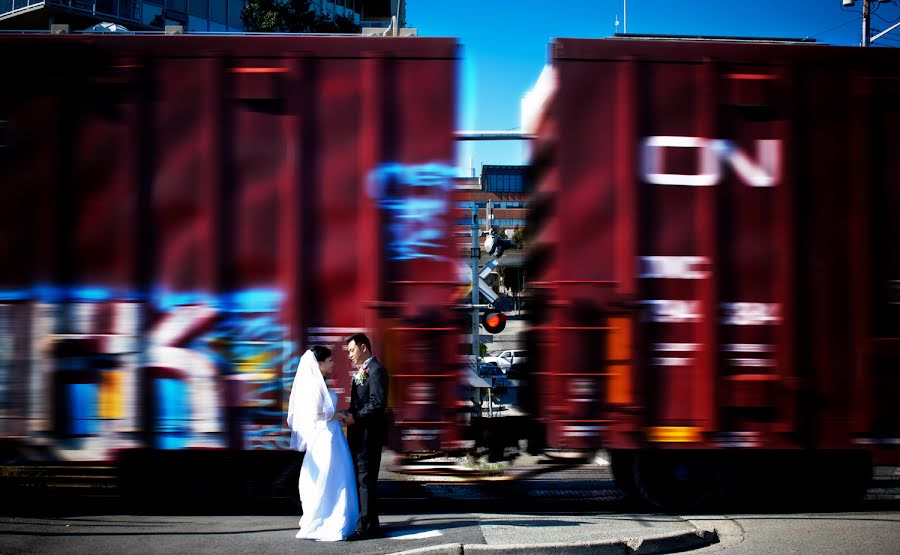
(292, 16)
(520, 237)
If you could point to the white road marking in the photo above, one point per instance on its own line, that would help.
(414, 535)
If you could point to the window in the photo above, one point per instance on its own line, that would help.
(152, 15)
(234, 13)
(197, 25)
(130, 9)
(105, 7)
(217, 11)
(199, 8)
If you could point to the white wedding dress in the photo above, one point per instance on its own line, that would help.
(328, 486)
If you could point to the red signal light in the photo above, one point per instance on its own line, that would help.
(493, 321)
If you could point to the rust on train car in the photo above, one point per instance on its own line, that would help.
(183, 215)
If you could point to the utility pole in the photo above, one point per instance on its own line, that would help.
(867, 13)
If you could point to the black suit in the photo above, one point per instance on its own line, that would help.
(367, 436)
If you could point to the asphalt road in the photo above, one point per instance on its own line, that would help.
(876, 532)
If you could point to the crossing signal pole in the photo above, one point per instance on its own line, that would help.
(475, 254)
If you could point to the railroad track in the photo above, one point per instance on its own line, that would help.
(60, 478)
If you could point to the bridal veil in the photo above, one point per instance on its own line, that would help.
(310, 406)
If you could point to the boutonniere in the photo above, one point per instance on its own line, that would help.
(361, 376)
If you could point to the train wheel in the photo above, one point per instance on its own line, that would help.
(673, 481)
(839, 479)
(622, 465)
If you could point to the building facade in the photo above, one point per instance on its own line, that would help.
(196, 16)
(506, 187)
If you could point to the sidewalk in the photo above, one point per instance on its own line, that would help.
(567, 534)
(522, 510)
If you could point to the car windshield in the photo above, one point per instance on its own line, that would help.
(490, 369)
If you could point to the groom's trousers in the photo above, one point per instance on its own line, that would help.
(366, 445)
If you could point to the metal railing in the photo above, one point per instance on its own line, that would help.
(123, 10)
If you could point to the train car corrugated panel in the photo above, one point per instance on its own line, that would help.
(585, 211)
(187, 203)
(876, 290)
(37, 219)
(622, 357)
(101, 157)
(253, 126)
(755, 252)
(22, 226)
(431, 274)
(826, 256)
(677, 227)
(540, 397)
(411, 255)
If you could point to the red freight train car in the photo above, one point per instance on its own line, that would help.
(182, 215)
(715, 274)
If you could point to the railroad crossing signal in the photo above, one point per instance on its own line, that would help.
(493, 321)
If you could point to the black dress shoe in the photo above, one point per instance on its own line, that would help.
(357, 535)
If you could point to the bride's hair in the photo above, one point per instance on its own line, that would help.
(321, 353)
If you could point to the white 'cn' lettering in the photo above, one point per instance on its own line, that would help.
(751, 314)
(670, 311)
(764, 172)
(674, 267)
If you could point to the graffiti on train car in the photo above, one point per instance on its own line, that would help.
(79, 365)
(414, 198)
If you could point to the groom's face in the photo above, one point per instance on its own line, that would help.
(357, 353)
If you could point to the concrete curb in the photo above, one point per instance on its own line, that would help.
(443, 549)
(668, 543)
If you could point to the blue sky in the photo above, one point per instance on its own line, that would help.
(504, 42)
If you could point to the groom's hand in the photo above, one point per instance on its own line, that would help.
(348, 419)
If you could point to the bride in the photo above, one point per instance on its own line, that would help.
(327, 480)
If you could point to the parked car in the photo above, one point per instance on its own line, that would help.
(505, 359)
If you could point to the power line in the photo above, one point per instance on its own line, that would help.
(885, 20)
(838, 26)
(874, 11)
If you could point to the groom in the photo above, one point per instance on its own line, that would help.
(366, 430)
